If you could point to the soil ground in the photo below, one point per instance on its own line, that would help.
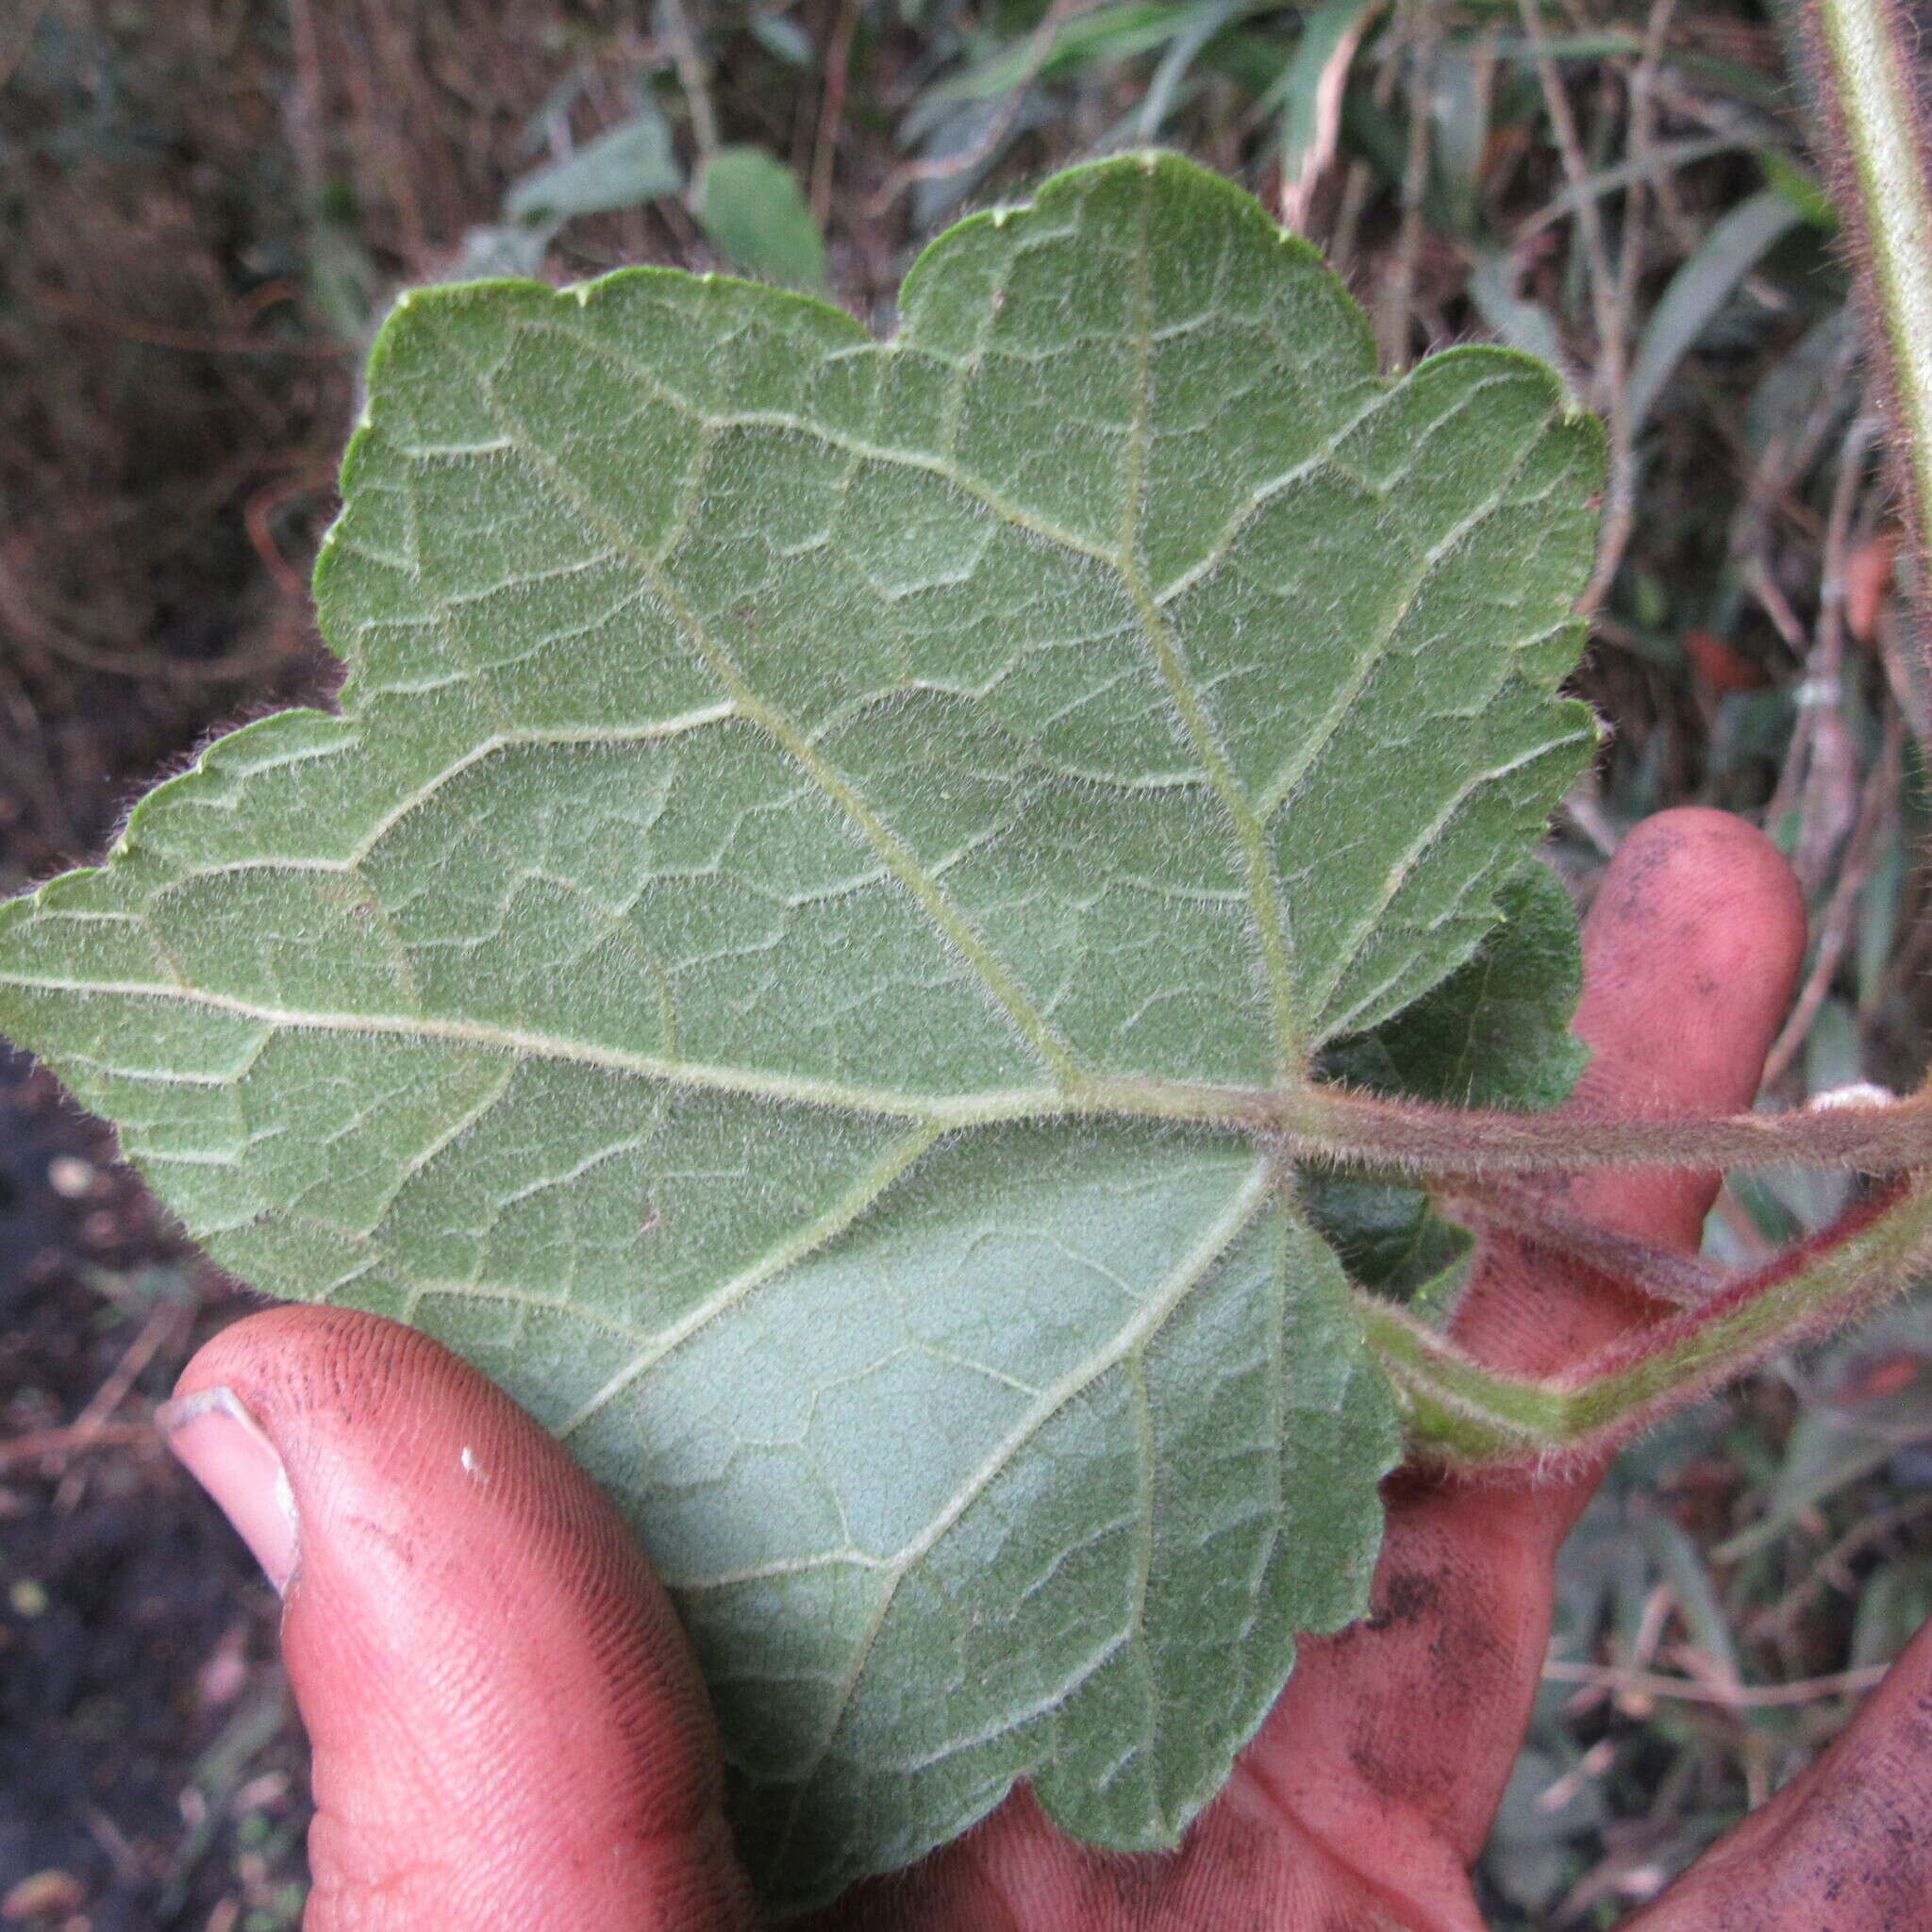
(149, 1776)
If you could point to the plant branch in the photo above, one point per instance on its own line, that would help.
(1866, 54)
(1543, 1217)
(1336, 1123)
(1460, 1411)
(1453, 1409)
(1313, 1119)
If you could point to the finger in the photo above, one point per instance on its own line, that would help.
(1692, 952)
(1397, 1737)
(508, 1730)
(1847, 1846)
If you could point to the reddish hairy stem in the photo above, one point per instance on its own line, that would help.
(1465, 1414)
(1546, 1219)
(1336, 1123)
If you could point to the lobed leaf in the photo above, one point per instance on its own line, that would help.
(821, 843)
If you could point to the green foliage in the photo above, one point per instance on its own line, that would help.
(1497, 1032)
(752, 212)
(628, 163)
(824, 846)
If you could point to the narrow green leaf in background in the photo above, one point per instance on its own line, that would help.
(1734, 245)
(755, 214)
(1111, 33)
(629, 163)
(1165, 84)
(824, 846)
(1310, 87)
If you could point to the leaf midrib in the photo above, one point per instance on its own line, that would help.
(1046, 1043)
(1266, 907)
(953, 1110)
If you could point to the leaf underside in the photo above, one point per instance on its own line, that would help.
(800, 809)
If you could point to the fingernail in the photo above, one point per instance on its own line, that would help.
(224, 1449)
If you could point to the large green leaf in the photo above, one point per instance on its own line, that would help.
(822, 844)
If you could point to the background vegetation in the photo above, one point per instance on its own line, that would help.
(205, 208)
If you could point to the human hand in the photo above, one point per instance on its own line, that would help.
(511, 1734)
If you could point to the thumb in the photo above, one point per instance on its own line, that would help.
(508, 1730)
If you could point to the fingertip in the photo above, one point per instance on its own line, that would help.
(1693, 949)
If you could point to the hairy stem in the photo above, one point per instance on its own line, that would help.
(1866, 54)
(1453, 1409)
(1541, 1216)
(1312, 1121)
(1337, 1124)
(1461, 1412)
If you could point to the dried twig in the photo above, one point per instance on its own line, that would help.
(166, 1321)
(1576, 171)
(1780, 1619)
(193, 341)
(1619, 494)
(832, 111)
(1359, 182)
(1722, 1696)
(1877, 814)
(43, 1445)
(23, 615)
(691, 74)
(1392, 311)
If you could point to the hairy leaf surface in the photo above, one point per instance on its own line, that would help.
(821, 844)
(1495, 1033)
